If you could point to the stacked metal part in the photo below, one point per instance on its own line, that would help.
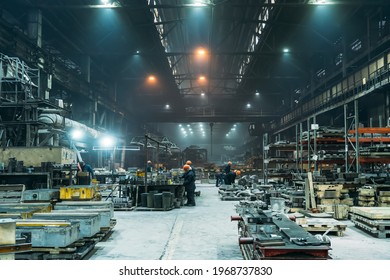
(265, 234)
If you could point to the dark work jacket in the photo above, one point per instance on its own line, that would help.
(189, 180)
(193, 170)
(88, 168)
(227, 169)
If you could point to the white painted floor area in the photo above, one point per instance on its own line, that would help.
(205, 232)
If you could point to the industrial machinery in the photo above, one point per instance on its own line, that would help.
(267, 234)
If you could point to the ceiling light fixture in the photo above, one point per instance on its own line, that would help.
(257, 93)
(319, 2)
(198, 3)
(201, 52)
(152, 79)
(286, 50)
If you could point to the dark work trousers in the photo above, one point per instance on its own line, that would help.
(227, 179)
(219, 180)
(190, 195)
(180, 194)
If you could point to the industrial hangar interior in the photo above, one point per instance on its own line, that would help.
(281, 107)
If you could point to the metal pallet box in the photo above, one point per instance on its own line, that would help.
(24, 210)
(89, 222)
(45, 233)
(73, 205)
(7, 237)
(40, 195)
(105, 215)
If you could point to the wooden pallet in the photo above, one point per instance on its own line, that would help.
(376, 227)
(372, 230)
(375, 213)
(322, 225)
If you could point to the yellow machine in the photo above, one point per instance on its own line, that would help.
(78, 192)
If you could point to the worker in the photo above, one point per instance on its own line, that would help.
(227, 173)
(219, 178)
(85, 167)
(234, 174)
(188, 162)
(189, 185)
(149, 166)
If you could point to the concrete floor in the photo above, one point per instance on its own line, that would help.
(205, 232)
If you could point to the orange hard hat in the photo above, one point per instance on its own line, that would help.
(238, 172)
(230, 163)
(186, 167)
(189, 162)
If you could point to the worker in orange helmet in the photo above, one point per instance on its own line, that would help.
(234, 174)
(188, 162)
(189, 185)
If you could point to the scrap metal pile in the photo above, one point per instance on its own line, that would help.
(251, 188)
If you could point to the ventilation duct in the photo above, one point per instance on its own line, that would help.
(56, 120)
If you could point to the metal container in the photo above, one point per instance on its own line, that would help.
(41, 195)
(46, 207)
(167, 200)
(105, 215)
(144, 199)
(45, 233)
(150, 199)
(25, 210)
(81, 192)
(74, 205)
(7, 236)
(89, 222)
(158, 200)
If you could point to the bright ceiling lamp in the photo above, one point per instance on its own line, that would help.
(108, 4)
(202, 78)
(199, 3)
(201, 52)
(152, 79)
(320, 2)
(77, 134)
(107, 141)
